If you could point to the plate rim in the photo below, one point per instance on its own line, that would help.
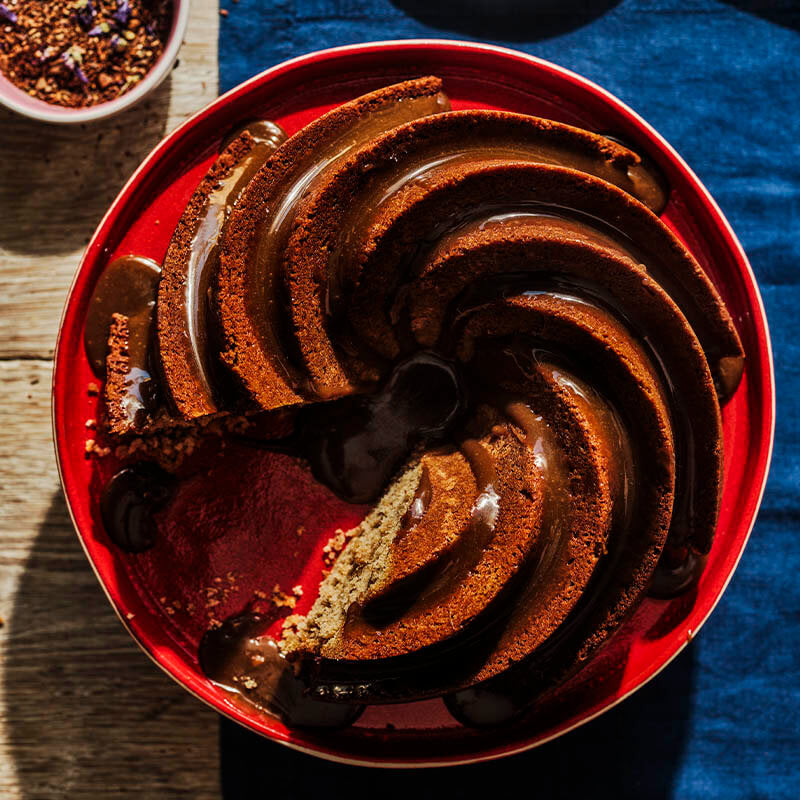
(731, 241)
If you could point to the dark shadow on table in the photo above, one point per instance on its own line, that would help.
(86, 714)
(782, 12)
(632, 751)
(508, 20)
(64, 177)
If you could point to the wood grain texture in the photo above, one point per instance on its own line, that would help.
(83, 712)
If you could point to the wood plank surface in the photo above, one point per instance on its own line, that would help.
(83, 712)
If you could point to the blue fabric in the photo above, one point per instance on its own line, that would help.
(720, 81)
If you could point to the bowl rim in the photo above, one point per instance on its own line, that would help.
(767, 425)
(13, 98)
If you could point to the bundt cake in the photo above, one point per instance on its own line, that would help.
(487, 333)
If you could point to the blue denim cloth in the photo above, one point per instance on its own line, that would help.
(720, 80)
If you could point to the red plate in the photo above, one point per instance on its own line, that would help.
(246, 521)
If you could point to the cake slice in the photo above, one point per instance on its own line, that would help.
(163, 371)
(605, 376)
(188, 341)
(429, 580)
(250, 297)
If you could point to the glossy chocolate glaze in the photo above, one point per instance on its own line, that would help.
(611, 435)
(727, 371)
(425, 165)
(596, 407)
(419, 505)
(678, 570)
(264, 293)
(646, 175)
(645, 332)
(204, 255)
(142, 393)
(129, 501)
(356, 444)
(485, 706)
(264, 131)
(243, 660)
(616, 438)
(128, 286)
(483, 518)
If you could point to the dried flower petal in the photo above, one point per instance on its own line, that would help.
(123, 12)
(7, 14)
(73, 58)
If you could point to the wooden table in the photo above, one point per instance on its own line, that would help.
(83, 712)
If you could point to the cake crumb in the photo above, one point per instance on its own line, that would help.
(130, 615)
(281, 599)
(93, 388)
(335, 545)
(291, 622)
(91, 424)
(221, 590)
(92, 447)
